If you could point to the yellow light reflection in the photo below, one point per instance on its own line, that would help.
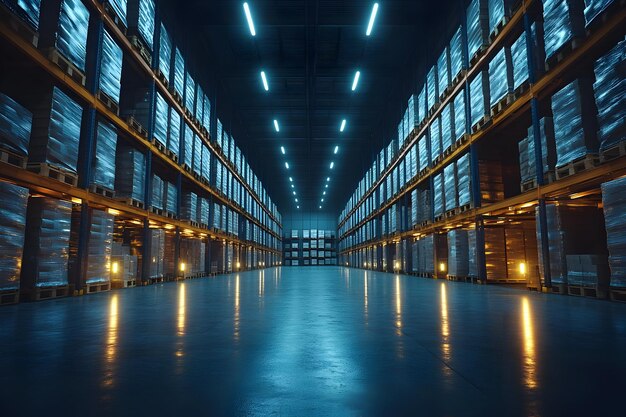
(530, 354)
(445, 327)
(398, 304)
(181, 309)
(236, 319)
(261, 283)
(111, 343)
(365, 293)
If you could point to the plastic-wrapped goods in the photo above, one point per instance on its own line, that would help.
(439, 193)
(170, 194)
(412, 113)
(450, 191)
(477, 26)
(614, 202)
(15, 126)
(443, 68)
(47, 242)
(460, 128)
(426, 251)
(435, 139)
(498, 10)
(472, 270)
(446, 127)
(141, 19)
(519, 61)
(99, 247)
(190, 93)
(203, 210)
(458, 253)
(179, 73)
(524, 161)
(119, 6)
(593, 8)
(432, 87)
(111, 68)
(206, 162)
(217, 216)
(495, 253)
(104, 161)
(218, 175)
(415, 208)
(206, 115)
(479, 97)
(563, 21)
(412, 164)
(28, 10)
(61, 122)
(71, 37)
(158, 189)
(610, 93)
(157, 252)
(392, 148)
(188, 142)
(421, 105)
(197, 154)
(500, 76)
(189, 210)
(12, 229)
(161, 119)
(491, 181)
(423, 153)
(574, 124)
(220, 133)
(130, 172)
(548, 151)
(456, 54)
(173, 135)
(165, 53)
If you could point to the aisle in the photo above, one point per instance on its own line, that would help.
(321, 341)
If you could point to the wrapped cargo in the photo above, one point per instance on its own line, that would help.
(171, 197)
(435, 139)
(472, 270)
(412, 114)
(47, 243)
(450, 190)
(161, 119)
(189, 210)
(179, 73)
(206, 162)
(593, 8)
(479, 97)
(463, 180)
(130, 172)
(426, 255)
(432, 87)
(548, 147)
(111, 68)
(563, 21)
(197, 155)
(157, 252)
(16, 123)
(165, 53)
(173, 134)
(495, 253)
(456, 54)
(446, 127)
(458, 253)
(141, 20)
(217, 216)
(188, 143)
(203, 211)
(119, 7)
(460, 128)
(412, 163)
(439, 194)
(614, 202)
(574, 122)
(424, 154)
(443, 71)
(99, 247)
(499, 12)
(103, 166)
(519, 62)
(28, 10)
(59, 124)
(500, 76)
(206, 114)
(477, 26)
(71, 35)
(524, 161)
(610, 94)
(491, 181)
(12, 230)
(158, 188)
(421, 105)
(190, 93)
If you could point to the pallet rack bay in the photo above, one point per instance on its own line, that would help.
(310, 247)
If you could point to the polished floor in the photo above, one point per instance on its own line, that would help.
(322, 341)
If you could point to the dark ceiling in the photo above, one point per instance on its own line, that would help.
(310, 50)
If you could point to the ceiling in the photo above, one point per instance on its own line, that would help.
(310, 50)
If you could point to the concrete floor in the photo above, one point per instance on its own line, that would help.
(320, 341)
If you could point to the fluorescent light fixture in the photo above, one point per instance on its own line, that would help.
(246, 10)
(264, 79)
(343, 124)
(293, 186)
(287, 165)
(336, 150)
(294, 193)
(290, 179)
(298, 207)
(322, 200)
(326, 185)
(332, 165)
(320, 207)
(276, 125)
(296, 200)
(355, 83)
(327, 179)
(370, 26)
(282, 149)
(324, 193)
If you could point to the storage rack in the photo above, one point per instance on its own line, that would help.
(248, 253)
(373, 253)
(302, 249)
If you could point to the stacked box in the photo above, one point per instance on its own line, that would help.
(161, 119)
(130, 172)
(439, 194)
(424, 154)
(498, 11)
(28, 10)
(446, 127)
(491, 181)
(206, 114)
(426, 255)
(463, 180)
(15, 126)
(519, 62)
(472, 270)
(524, 161)
(460, 127)
(12, 229)
(412, 170)
(141, 20)
(528, 167)
(593, 8)
(103, 165)
(47, 243)
(56, 132)
(563, 21)
(432, 87)
(190, 93)
(99, 247)
(173, 134)
(157, 252)
(187, 146)
(610, 94)
(111, 68)
(435, 139)
(179, 73)
(456, 54)
(495, 253)
(477, 26)
(450, 190)
(413, 113)
(421, 105)
(614, 203)
(217, 216)
(158, 188)
(197, 155)
(70, 35)
(500, 76)
(138, 105)
(458, 253)
(206, 162)
(171, 197)
(189, 209)
(479, 97)
(165, 53)
(443, 68)
(574, 121)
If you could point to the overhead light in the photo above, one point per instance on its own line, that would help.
(276, 125)
(336, 150)
(322, 200)
(332, 165)
(298, 207)
(370, 26)
(326, 185)
(290, 179)
(296, 200)
(320, 207)
(246, 10)
(264, 79)
(293, 186)
(287, 165)
(324, 193)
(355, 83)
(343, 123)
(294, 193)
(282, 149)
(327, 179)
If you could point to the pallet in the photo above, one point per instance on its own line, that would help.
(126, 283)
(103, 191)
(549, 177)
(191, 223)
(45, 293)
(424, 274)
(22, 28)
(613, 152)
(157, 144)
(170, 154)
(66, 65)
(586, 291)
(99, 287)
(605, 16)
(177, 97)
(143, 50)
(204, 226)
(521, 90)
(169, 214)
(433, 109)
(458, 78)
(187, 168)
(477, 55)
(426, 223)
(482, 123)
(109, 10)
(562, 53)
(456, 278)
(9, 297)
(163, 78)
(617, 294)
(585, 163)
(137, 127)
(440, 218)
(156, 210)
(501, 105)
(108, 102)
(464, 208)
(50, 171)
(558, 289)
(452, 213)
(132, 202)
(14, 159)
(498, 29)
(156, 280)
(437, 160)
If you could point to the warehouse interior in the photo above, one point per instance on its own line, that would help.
(313, 207)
